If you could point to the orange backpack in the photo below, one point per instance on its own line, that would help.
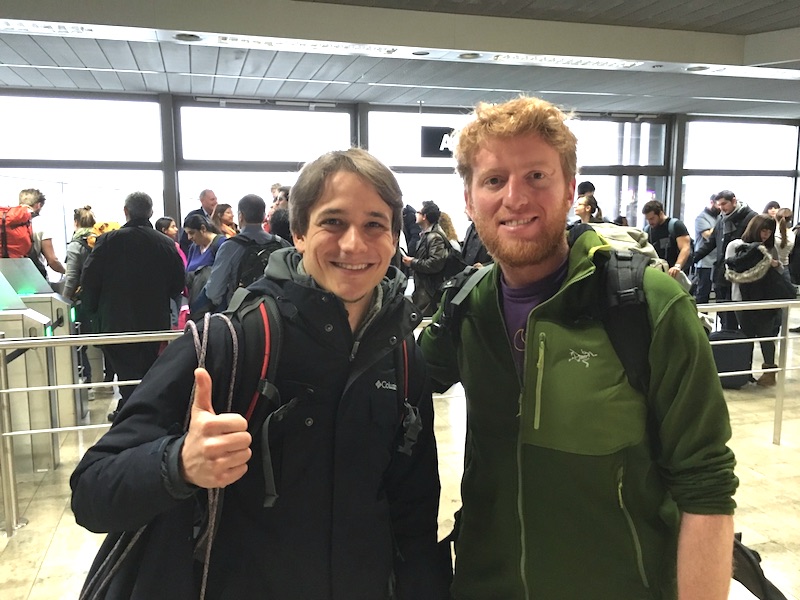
(16, 233)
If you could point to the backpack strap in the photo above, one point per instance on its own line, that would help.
(263, 338)
(455, 291)
(409, 414)
(625, 315)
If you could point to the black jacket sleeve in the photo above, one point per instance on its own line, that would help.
(412, 487)
(120, 484)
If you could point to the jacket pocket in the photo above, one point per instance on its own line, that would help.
(576, 397)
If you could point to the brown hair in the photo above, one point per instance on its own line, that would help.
(311, 184)
(84, 217)
(752, 232)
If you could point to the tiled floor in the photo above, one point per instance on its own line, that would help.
(49, 557)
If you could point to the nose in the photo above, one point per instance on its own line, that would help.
(517, 192)
(352, 240)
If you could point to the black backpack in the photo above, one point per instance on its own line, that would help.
(747, 571)
(454, 264)
(255, 258)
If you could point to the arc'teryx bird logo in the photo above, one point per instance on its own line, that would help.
(385, 385)
(582, 357)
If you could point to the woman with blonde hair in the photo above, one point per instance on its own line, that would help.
(446, 223)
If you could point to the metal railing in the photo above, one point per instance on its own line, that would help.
(783, 351)
(7, 470)
(8, 479)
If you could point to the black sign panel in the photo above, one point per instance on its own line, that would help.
(437, 142)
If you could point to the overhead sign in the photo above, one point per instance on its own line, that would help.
(438, 142)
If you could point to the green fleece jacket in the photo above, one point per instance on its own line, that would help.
(574, 482)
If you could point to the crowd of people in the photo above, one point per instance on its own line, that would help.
(330, 468)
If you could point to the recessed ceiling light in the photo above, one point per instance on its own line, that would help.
(420, 53)
(187, 37)
(697, 68)
(469, 55)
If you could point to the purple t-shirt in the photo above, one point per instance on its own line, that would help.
(518, 304)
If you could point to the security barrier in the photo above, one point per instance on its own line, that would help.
(7, 469)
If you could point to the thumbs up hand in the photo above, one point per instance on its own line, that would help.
(217, 447)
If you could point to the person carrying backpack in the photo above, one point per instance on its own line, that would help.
(331, 480)
(243, 260)
(578, 482)
(669, 237)
(429, 260)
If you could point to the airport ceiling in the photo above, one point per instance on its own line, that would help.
(738, 17)
(244, 69)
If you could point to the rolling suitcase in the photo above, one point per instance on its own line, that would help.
(732, 357)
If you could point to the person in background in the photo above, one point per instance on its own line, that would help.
(274, 190)
(279, 224)
(224, 220)
(429, 259)
(77, 252)
(784, 236)
(576, 484)
(411, 229)
(758, 323)
(206, 240)
(587, 210)
(446, 223)
(704, 225)
(224, 279)
(43, 252)
(672, 244)
(169, 228)
(771, 208)
(474, 252)
(208, 202)
(730, 225)
(621, 220)
(127, 282)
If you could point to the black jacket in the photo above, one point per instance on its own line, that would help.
(473, 251)
(728, 228)
(428, 266)
(129, 278)
(352, 512)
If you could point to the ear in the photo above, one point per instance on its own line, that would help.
(468, 203)
(570, 193)
(299, 242)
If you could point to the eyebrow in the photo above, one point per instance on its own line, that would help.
(334, 212)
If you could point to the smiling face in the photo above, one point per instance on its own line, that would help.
(349, 242)
(519, 200)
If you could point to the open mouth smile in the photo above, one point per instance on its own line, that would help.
(351, 267)
(517, 222)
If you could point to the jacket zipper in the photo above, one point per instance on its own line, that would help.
(537, 414)
(632, 530)
(520, 511)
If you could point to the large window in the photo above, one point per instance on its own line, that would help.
(446, 190)
(255, 134)
(79, 129)
(619, 143)
(396, 137)
(740, 146)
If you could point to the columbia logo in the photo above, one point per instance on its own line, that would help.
(385, 385)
